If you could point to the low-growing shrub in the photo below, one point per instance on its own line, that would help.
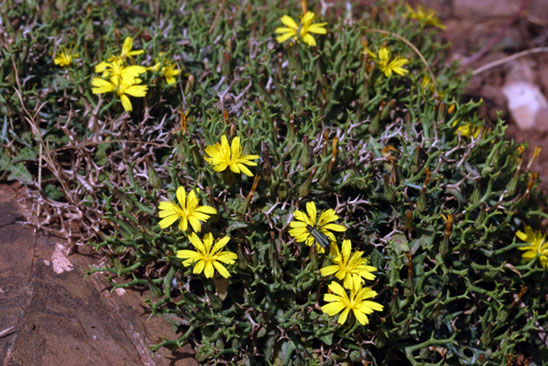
(295, 184)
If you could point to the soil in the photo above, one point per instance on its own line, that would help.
(53, 315)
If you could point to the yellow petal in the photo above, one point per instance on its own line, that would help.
(227, 257)
(371, 305)
(196, 242)
(220, 244)
(127, 46)
(183, 225)
(343, 316)
(138, 91)
(181, 196)
(208, 270)
(101, 86)
(126, 103)
(244, 170)
(337, 289)
(285, 37)
(221, 269)
(332, 308)
(309, 40)
(289, 22)
(521, 235)
(360, 317)
(329, 270)
(199, 267)
(307, 18)
(317, 28)
(188, 254)
(312, 213)
(207, 210)
(346, 248)
(195, 223)
(168, 221)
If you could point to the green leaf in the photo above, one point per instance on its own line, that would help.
(400, 244)
(20, 172)
(53, 192)
(25, 154)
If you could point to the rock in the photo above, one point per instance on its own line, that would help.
(474, 9)
(525, 101)
(52, 315)
(524, 98)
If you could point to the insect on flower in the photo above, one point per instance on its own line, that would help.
(310, 229)
(320, 238)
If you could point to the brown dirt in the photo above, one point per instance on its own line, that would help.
(52, 316)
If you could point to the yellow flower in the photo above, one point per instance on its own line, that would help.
(425, 16)
(208, 256)
(467, 130)
(187, 210)
(387, 65)
(169, 72)
(339, 301)
(168, 69)
(64, 57)
(536, 245)
(127, 49)
(224, 155)
(116, 71)
(302, 32)
(304, 224)
(123, 88)
(353, 269)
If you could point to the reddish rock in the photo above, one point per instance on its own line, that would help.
(52, 318)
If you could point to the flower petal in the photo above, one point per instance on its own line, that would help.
(221, 269)
(343, 316)
(126, 103)
(208, 270)
(289, 22)
(168, 221)
(312, 213)
(332, 308)
(199, 267)
(329, 270)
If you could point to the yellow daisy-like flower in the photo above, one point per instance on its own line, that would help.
(352, 269)
(536, 246)
(302, 32)
(116, 71)
(169, 72)
(187, 210)
(467, 130)
(222, 155)
(127, 49)
(168, 69)
(388, 65)
(208, 256)
(425, 16)
(65, 56)
(123, 88)
(339, 301)
(302, 229)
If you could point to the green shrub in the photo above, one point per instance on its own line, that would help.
(430, 194)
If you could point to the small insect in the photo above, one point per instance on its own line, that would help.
(318, 236)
